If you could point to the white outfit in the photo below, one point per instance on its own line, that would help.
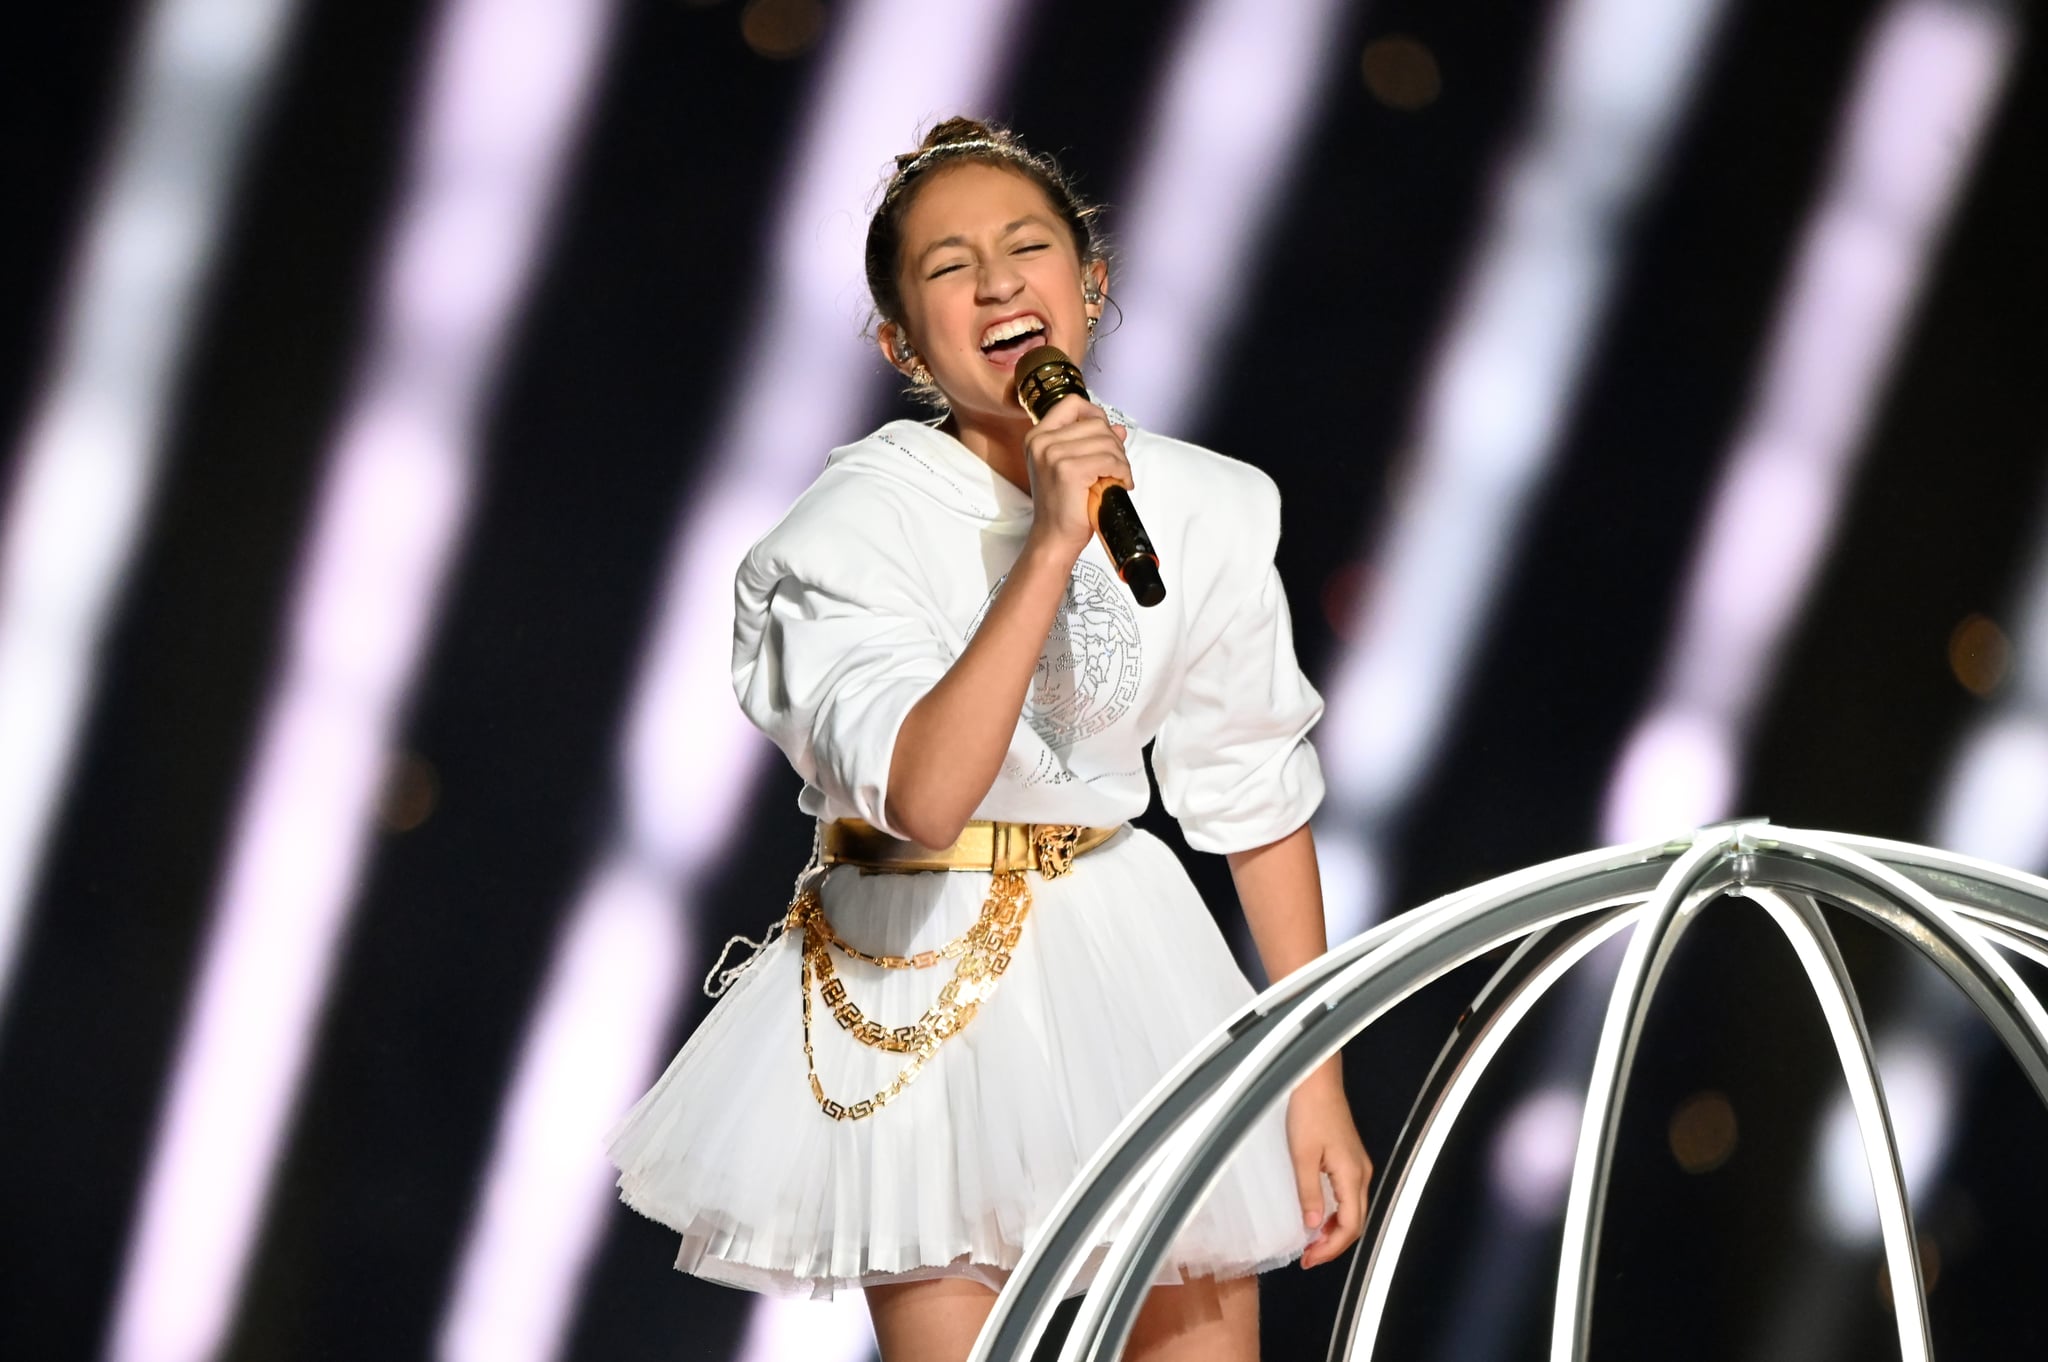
(847, 612)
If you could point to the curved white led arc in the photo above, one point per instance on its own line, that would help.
(1799, 918)
(86, 468)
(504, 87)
(1407, 1193)
(1685, 889)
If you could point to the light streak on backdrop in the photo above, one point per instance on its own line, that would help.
(504, 87)
(1246, 75)
(1908, 128)
(688, 757)
(1928, 83)
(1617, 76)
(1993, 804)
(87, 465)
(1995, 800)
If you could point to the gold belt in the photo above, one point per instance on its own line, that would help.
(1048, 848)
(1006, 851)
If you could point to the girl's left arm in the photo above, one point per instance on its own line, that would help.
(1283, 903)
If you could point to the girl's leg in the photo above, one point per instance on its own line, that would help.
(1203, 1321)
(930, 1321)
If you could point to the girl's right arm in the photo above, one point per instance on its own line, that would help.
(952, 741)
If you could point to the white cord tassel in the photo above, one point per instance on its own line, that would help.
(723, 976)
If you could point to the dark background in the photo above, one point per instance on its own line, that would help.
(597, 432)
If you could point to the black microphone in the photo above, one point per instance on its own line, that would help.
(1044, 376)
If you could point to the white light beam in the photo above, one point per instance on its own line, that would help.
(504, 86)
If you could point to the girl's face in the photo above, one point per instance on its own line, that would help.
(989, 271)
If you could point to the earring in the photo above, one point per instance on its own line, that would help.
(921, 376)
(903, 350)
(1089, 292)
(1091, 324)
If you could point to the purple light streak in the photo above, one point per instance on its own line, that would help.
(504, 88)
(1618, 74)
(1928, 83)
(1223, 139)
(88, 462)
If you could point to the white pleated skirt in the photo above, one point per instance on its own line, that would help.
(1119, 973)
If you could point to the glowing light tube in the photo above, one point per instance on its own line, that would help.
(1927, 84)
(86, 468)
(504, 86)
(1617, 75)
(889, 65)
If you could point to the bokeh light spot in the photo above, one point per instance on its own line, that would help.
(1344, 599)
(780, 29)
(412, 789)
(1703, 1132)
(1979, 654)
(1401, 73)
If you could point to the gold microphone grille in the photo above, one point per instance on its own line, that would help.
(1045, 375)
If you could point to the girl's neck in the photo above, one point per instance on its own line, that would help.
(997, 443)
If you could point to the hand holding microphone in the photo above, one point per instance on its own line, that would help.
(1044, 377)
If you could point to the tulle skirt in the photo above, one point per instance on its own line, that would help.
(1120, 971)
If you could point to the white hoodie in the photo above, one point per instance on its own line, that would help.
(861, 597)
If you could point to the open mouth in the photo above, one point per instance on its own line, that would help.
(1004, 341)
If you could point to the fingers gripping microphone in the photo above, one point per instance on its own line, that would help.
(1044, 376)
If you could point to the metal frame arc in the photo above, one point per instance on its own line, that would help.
(1153, 1172)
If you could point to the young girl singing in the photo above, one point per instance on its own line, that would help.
(986, 966)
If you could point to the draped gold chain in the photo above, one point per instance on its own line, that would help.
(983, 952)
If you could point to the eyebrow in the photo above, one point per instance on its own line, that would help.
(1027, 220)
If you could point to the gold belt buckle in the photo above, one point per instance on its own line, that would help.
(1053, 844)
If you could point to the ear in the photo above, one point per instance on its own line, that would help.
(897, 351)
(1096, 272)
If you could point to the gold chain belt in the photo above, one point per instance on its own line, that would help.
(1006, 851)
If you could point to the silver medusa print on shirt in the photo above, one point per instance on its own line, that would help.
(1088, 672)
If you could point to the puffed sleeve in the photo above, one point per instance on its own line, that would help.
(1233, 759)
(829, 672)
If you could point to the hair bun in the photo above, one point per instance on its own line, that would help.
(957, 129)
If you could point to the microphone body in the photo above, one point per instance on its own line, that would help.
(1044, 376)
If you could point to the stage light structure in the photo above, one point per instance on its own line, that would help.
(86, 470)
(1956, 912)
(1617, 76)
(505, 84)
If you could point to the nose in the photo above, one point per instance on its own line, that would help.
(998, 280)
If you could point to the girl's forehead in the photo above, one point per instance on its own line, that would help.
(973, 199)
